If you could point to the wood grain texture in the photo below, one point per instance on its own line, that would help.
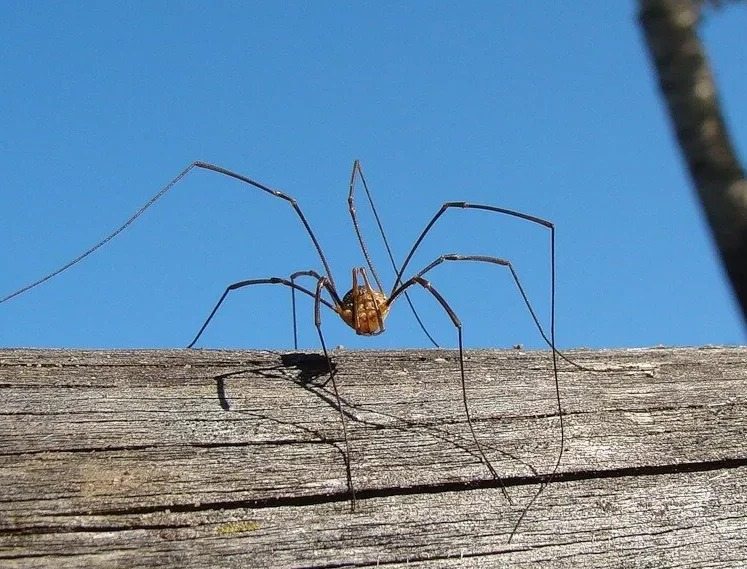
(233, 459)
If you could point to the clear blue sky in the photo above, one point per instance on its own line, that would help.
(549, 108)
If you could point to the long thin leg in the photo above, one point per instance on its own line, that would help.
(458, 325)
(495, 261)
(318, 301)
(241, 284)
(160, 194)
(509, 212)
(351, 208)
(293, 277)
(464, 205)
(281, 195)
(358, 171)
(490, 208)
(367, 286)
(551, 477)
(551, 343)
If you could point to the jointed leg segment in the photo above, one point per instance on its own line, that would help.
(321, 284)
(494, 261)
(358, 172)
(458, 325)
(242, 284)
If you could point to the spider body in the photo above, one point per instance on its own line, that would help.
(364, 308)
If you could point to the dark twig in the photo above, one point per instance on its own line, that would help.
(686, 82)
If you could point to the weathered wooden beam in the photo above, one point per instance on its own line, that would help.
(233, 459)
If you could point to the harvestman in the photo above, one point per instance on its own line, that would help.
(364, 308)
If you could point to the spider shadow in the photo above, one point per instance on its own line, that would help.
(313, 375)
(311, 368)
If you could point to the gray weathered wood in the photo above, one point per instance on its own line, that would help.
(232, 459)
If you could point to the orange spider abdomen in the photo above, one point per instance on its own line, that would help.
(364, 310)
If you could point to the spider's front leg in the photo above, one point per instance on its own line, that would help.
(311, 273)
(550, 342)
(251, 282)
(500, 211)
(458, 325)
(494, 261)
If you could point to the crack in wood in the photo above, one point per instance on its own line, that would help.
(437, 488)
(39, 530)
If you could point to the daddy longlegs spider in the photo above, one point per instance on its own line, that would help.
(364, 307)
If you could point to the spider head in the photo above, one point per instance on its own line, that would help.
(364, 308)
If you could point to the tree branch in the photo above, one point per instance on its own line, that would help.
(688, 87)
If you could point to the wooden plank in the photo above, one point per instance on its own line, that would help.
(232, 459)
(612, 522)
